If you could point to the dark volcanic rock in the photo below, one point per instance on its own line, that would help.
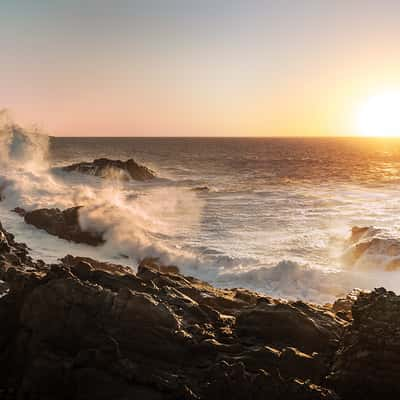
(367, 361)
(84, 329)
(90, 330)
(105, 168)
(13, 254)
(343, 305)
(152, 263)
(63, 224)
(72, 262)
(306, 327)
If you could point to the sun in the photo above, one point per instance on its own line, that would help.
(379, 115)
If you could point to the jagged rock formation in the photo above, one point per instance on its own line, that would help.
(152, 263)
(105, 168)
(342, 306)
(370, 248)
(63, 224)
(15, 254)
(83, 329)
(366, 363)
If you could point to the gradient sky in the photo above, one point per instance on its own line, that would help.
(190, 68)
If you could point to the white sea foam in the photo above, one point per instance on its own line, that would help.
(131, 225)
(283, 239)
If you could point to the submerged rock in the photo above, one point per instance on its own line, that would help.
(63, 224)
(117, 169)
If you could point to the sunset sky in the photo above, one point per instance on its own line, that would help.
(192, 68)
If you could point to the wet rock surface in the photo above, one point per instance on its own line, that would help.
(83, 329)
(342, 307)
(367, 360)
(370, 247)
(63, 224)
(201, 189)
(117, 169)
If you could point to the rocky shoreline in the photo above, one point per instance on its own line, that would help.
(84, 329)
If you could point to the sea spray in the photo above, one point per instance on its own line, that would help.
(24, 179)
(26, 147)
(138, 227)
(237, 239)
(133, 226)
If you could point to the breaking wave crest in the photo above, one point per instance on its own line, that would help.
(131, 224)
(140, 221)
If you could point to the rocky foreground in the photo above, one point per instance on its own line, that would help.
(82, 329)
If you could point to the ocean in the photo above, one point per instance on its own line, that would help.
(268, 214)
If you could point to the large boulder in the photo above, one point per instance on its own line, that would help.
(305, 326)
(85, 263)
(63, 224)
(366, 365)
(117, 169)
(153, 264)
(342, 306)
(371, 248)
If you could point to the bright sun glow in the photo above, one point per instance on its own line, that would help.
(380, 115)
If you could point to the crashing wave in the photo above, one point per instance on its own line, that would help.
(26, 148)
(289, 279)
(131, 225)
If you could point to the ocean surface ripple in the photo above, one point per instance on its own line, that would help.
(272, 214)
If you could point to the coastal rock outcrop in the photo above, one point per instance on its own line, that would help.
(369, 247)
(63, 224)
(14, 254)
(306, 327)
(366, 365)
(116, 169)
(85, 329)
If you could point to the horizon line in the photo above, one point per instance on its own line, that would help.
(226, 137)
